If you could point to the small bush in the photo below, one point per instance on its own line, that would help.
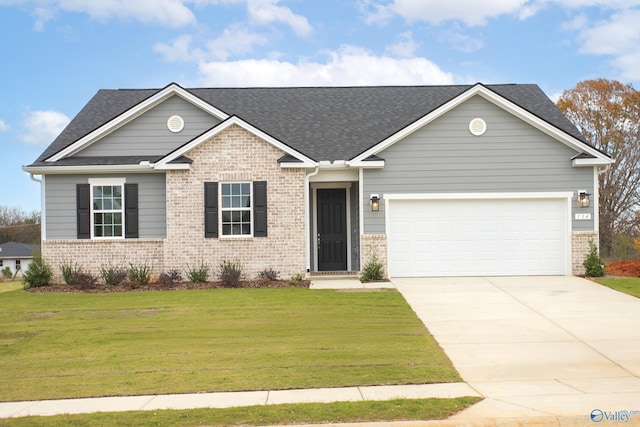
(69, 272)
(38, 274)
(230, 274)
(198, 274)
(139, 275)
(84, 280)
(373, 270)
(112, 275)
(593, 263)
(295, 280)
(269, 274)
(6, 273)
(170, 278)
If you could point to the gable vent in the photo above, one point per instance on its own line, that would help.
(175, 124)
(477, 127)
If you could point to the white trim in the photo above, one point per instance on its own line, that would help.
(496, 99)
(307, 219)
(234, 120)
(134, 112)
(596, 203)
(43, 213)
(471, 196)
(335, 175)
(369, 164)
(295, 165)
(106, 182)
(561, 195)
(42, 170)
(590, 162)
(314, 189)
(361, 205)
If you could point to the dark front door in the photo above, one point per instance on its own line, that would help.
(332, 229)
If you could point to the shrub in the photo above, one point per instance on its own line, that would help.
(269, 274)
(38, 274)
(230, 274)
(373, 270)
(6, 273)
(139, 275)
(84, 280)
(198, 274)
(69, 272)
(113, 276)
(593, 263)
(170, 278)
(295, 280)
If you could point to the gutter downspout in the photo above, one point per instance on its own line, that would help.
(43, 216)
(307, 211)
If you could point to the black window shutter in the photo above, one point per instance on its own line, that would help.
(210, 209)
(83, 208)
(131, 211)
(260, 208)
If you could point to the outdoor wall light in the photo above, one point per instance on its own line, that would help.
(374, 202)
(583, 199)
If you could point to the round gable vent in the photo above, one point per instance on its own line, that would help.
(477, 127)
(175, 124)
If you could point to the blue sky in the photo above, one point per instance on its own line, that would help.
(58, 53)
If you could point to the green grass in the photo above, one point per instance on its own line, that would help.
(10, 286)
(84, 345)
(343, 412)
(628, 285)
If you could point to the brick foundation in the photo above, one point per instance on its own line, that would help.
(580, 248)
(371, 244)
(90, 255)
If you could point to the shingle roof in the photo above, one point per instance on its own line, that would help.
(323, 123)
(16, 250)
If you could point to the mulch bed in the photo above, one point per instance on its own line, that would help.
(131, 287)
(624, 268)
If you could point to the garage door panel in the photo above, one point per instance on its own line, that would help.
(477, 237)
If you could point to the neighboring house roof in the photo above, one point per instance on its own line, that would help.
(322, 123)
(12, 250)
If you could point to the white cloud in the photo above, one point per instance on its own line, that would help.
(618, 37)
(42, 127)
(405, 47)
(349, 65)
(460, 41)
(179, 50)
(3, 126)
(43, 15)
(235, 40)
(268, 11)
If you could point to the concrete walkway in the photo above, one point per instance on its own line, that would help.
(226, 400)
(536, 346)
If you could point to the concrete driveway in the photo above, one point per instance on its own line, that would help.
(536, 346)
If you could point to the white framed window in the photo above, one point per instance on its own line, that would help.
(107, 208)
(18, 264)
(236, 208)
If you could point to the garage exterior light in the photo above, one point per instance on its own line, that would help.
(583, 199)
(374, 202)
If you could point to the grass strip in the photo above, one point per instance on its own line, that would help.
(307, 413)
(628, 285)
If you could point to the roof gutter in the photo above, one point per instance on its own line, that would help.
(42, 170)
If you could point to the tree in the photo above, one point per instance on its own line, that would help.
(608, 115)
(17, 225)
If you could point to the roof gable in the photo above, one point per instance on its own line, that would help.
(131, 113)
(568, 136)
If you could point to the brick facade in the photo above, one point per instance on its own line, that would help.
(580, 248)
(236, 155)
(90, 255)
(374, 244)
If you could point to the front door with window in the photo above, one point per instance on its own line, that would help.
(332, 229)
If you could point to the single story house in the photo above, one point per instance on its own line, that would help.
(433, 180)
(16, 257)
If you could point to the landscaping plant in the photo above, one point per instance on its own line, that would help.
(230, 274)
(38, 274)
(373, 270)
(170, 278)
(198, 274)
(112, 275)
(139, 275)
(593, 263)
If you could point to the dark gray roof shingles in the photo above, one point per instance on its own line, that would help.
(323, 123)
(16, 250)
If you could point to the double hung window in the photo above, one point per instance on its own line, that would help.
(236, 208)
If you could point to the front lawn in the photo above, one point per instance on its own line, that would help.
(10, 286)
(306, 413)
(158, 342)
(628, 285)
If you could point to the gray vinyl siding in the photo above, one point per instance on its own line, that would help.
(444, 157)
(149, 135)
(61, 204)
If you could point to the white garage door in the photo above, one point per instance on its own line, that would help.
(477, 237)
